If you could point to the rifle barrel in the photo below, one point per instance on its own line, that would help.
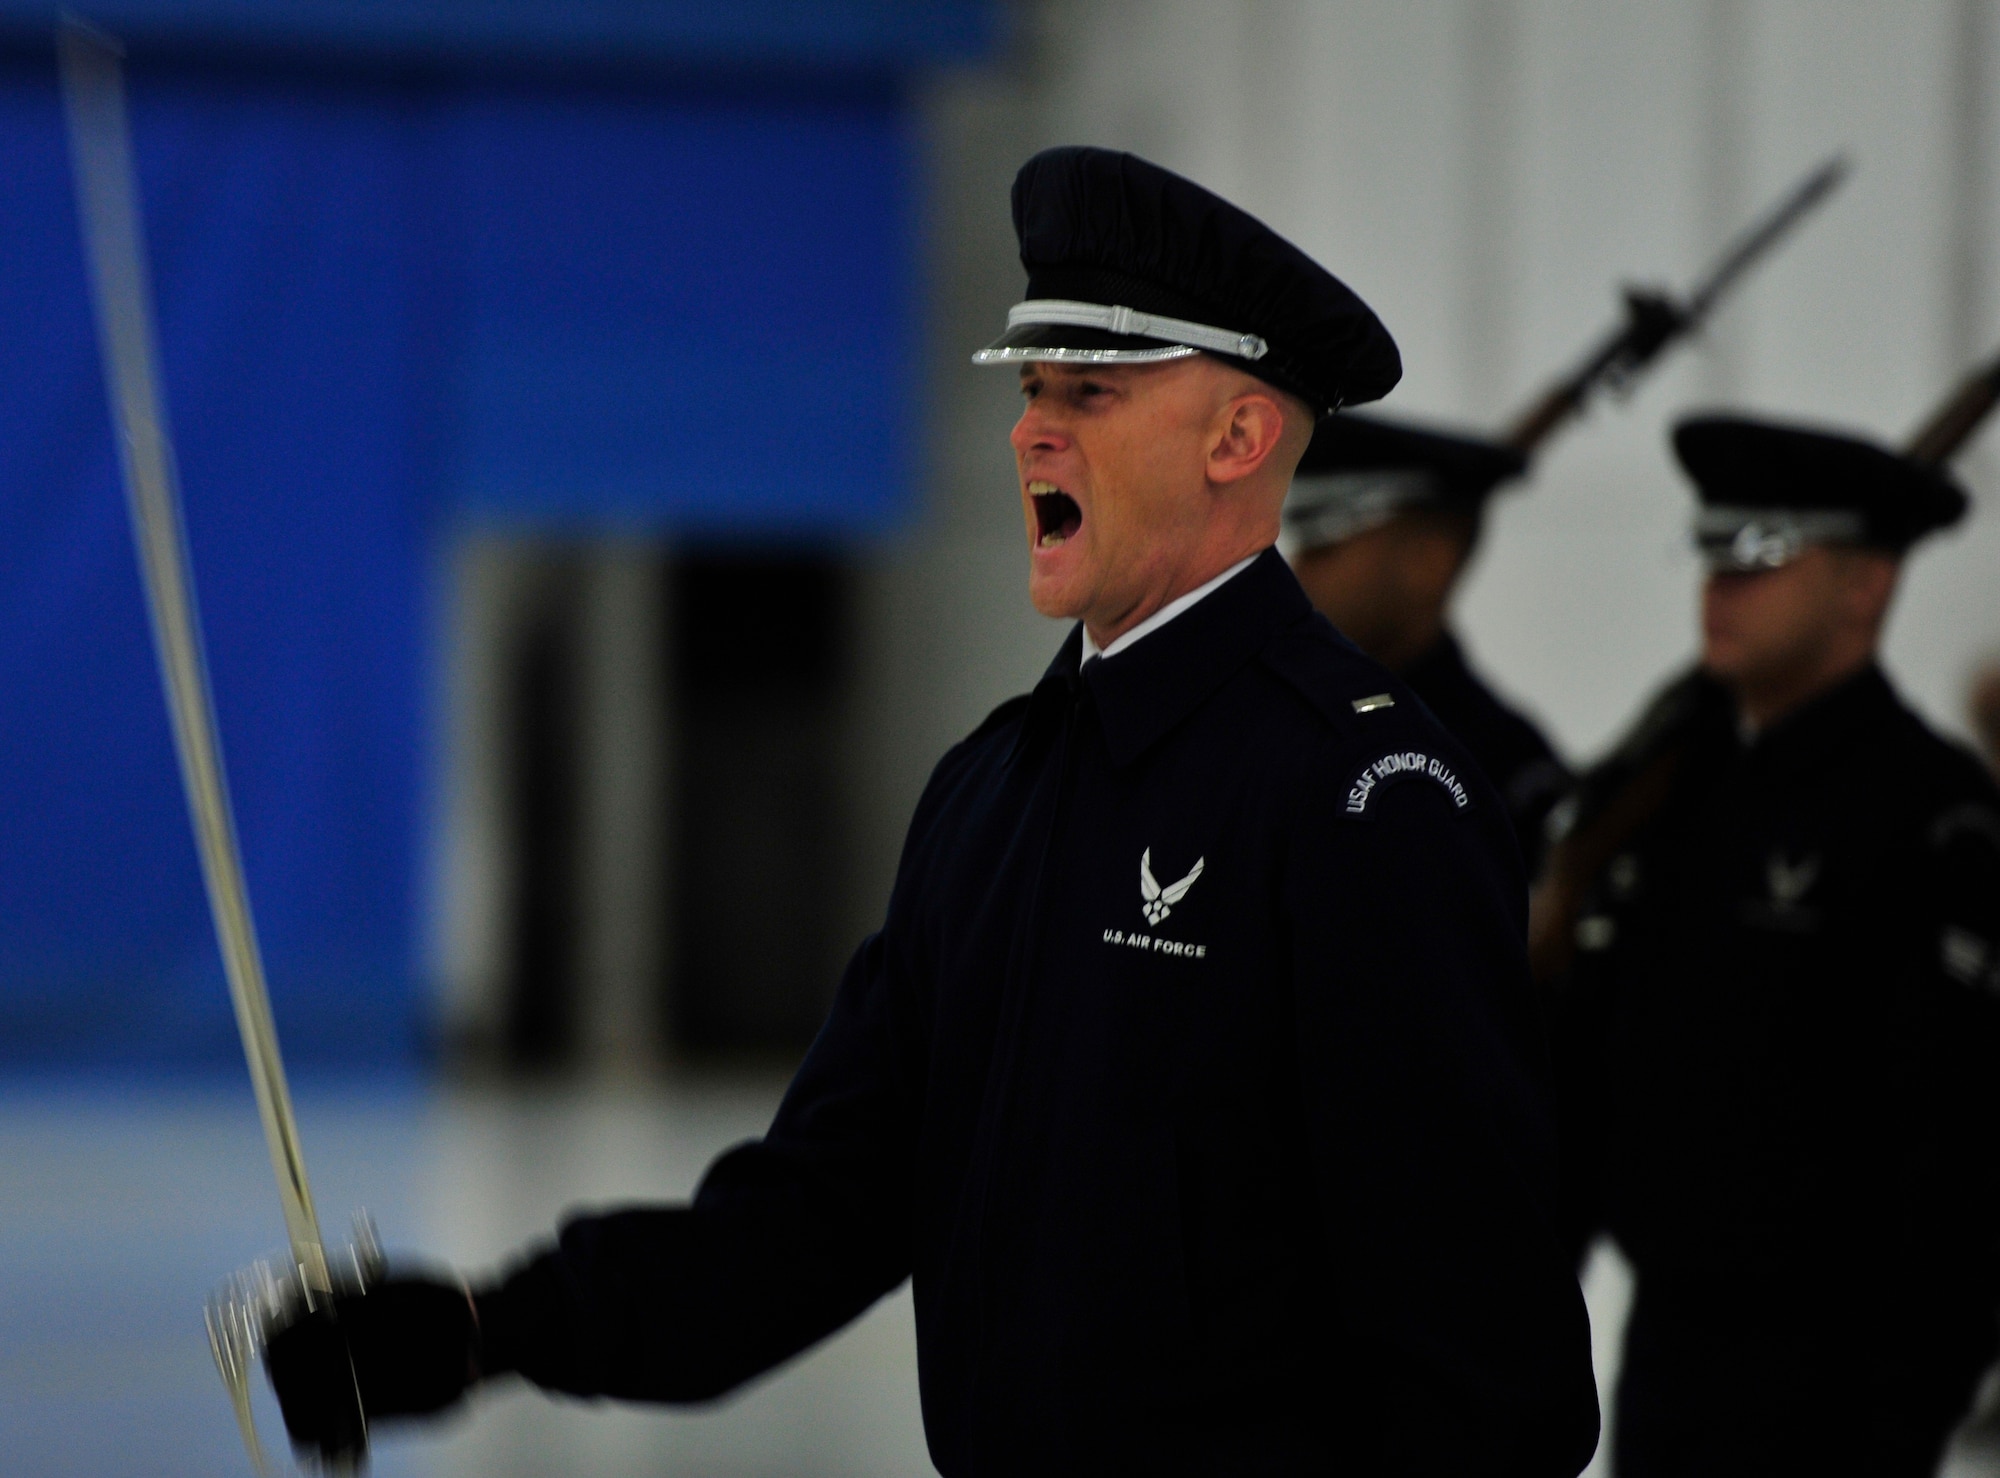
(1566, 396)
(1951, 425)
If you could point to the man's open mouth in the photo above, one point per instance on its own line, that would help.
(1056, 515)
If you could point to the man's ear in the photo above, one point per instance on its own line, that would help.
(1249, 431)
(1871, 578)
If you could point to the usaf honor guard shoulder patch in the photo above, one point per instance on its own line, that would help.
(1399, 765)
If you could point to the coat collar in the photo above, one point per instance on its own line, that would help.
(1826, 720)
(1147, 689)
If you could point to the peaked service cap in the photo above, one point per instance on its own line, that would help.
(1768, 489)
(1130, 263)
(1361, 471)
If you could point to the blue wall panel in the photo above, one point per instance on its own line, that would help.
(695, 314)
(386, 307)
(821, 34)
(294, 329)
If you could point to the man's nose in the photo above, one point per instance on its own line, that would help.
(1038, 430)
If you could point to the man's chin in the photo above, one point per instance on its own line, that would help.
(1725, 662)
(1057, 594)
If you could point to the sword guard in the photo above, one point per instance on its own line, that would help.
(271, 1295)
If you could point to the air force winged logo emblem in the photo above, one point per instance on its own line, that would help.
(1159, 902)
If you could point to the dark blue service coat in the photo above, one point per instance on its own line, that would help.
(1782, 1035)
(1512, 752)
(1194, 1077)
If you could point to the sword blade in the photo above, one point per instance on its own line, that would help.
(108, 205)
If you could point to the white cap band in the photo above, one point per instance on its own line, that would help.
(1768, 538)
(1116, 319)
(1331, 507)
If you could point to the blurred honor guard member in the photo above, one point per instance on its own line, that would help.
(1194, 1075)
(1383, 519)
(1384, 516)
(1783, 1012)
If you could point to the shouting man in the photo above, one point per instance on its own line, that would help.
(1194, 1075)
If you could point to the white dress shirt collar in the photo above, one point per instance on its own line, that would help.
(1164, 614)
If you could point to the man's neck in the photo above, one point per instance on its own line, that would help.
(1129, 632)
(1762, 702)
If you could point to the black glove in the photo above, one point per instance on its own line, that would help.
(408, 1346)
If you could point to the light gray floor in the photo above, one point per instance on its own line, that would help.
(122, 1210)
(119, 1210)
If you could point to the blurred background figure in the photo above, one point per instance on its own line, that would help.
(569, 768)
(1780, 1022)
(1384, 517)
(1383, 520)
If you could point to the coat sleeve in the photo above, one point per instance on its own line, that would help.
(1424, 1089)
(787, 1238)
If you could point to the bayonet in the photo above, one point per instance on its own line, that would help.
(1655, 319)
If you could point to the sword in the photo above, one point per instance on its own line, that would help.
(108, 206)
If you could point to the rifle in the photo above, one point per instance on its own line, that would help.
(1654, 319)
(1609, 805)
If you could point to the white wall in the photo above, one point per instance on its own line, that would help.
(1485, 172)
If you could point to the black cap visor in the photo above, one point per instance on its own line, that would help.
(1063, 343)
(1027, 343)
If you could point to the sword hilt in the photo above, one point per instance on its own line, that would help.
(250, 1308)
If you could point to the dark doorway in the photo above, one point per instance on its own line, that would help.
(761, 662)
(541, 701)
